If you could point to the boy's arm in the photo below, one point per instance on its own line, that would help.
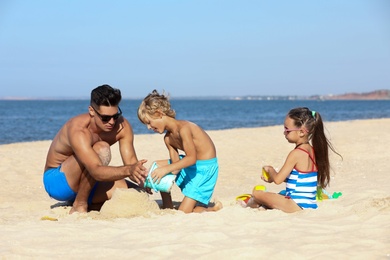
(189, 149)
(177, 164)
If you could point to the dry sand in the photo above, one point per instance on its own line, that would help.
(354, 226)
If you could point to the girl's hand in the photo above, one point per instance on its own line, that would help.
(158, 174)
(266, 176)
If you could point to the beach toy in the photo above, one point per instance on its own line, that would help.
(260, 187)
(244, 198)
(336, 195)
(165, 184)
(322, 194)
(49, 218)
(265, 175)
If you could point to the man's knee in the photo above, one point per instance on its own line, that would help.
(103, 151)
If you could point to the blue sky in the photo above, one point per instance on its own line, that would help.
(193, 48)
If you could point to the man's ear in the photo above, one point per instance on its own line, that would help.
(91, 111)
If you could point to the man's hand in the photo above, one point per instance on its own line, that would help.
(137, 172)
(148, 190)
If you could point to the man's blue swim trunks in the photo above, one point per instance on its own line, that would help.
(198, 181)
(58, 188)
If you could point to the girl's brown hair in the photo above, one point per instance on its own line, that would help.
(312, 121)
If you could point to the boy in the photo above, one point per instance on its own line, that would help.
(197, 170)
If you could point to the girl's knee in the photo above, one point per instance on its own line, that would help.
(258, 194)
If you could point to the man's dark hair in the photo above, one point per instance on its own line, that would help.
(105, 95)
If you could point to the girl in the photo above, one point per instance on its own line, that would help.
(306, 167)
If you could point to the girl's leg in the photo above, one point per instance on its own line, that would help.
(275, 201)
(252, 203)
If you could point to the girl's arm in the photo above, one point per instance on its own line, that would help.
(284, 172)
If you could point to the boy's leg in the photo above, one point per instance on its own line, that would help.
(187, 205)
(166, 200)
(217, 206)
(165, 196)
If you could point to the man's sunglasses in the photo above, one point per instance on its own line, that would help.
(106, 118)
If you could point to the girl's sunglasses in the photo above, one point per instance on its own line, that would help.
(287, 131)
(106, 118)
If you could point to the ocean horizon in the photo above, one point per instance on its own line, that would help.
(34, 120)
(380, 94)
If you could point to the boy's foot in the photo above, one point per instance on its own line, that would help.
(217, 206)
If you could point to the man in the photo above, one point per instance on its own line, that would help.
(77, 161)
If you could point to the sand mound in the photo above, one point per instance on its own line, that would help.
(127, 203)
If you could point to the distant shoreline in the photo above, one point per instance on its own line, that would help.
(373, 95)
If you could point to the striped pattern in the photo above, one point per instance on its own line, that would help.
(302, 188)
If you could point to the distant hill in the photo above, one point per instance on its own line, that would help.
(383, 94)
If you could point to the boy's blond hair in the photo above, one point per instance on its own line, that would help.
(155, 103)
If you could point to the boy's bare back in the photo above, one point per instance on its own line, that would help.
(187, 132)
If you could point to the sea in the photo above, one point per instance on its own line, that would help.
(34, 120)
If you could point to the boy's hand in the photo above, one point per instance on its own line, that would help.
(158, 174)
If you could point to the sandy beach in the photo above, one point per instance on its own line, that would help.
(131, 225)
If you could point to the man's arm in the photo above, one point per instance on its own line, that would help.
(128, 154)
(126, 144)
(81, 141)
